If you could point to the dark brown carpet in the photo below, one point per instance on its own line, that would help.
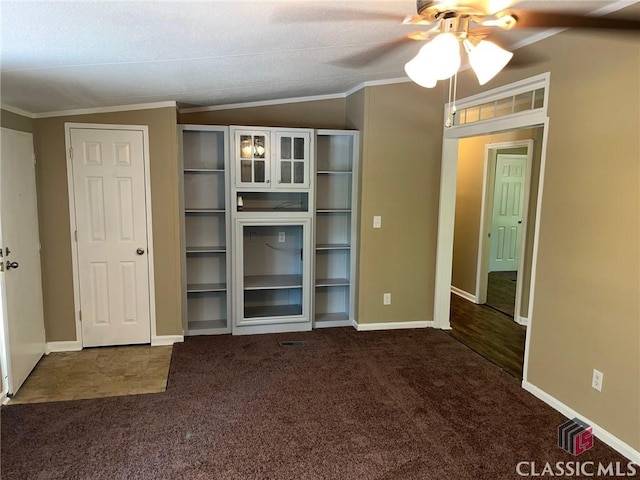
(395, 405)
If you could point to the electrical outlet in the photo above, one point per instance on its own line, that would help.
(377, 221)
(386, 299)
(281, 237)
(596, 381)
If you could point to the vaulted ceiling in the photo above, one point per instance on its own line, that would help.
(81, 54)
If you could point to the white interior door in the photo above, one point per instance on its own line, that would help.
(111, 222)
(507, 213)
(20, 279)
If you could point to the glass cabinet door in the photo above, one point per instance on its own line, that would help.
(253, 158)
(292, 159)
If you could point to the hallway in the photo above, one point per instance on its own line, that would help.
(490, 333)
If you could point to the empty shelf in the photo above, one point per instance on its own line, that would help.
(333, 246)
(325, 320)
(269, 282)
(204, 210)
(331, 282)
(199, 327)
(206, 287)
(203, 170)
(211, 249)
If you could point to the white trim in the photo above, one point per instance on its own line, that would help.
(262, 103)
(72, 219)
(72, 346)
(4, 400)
(376, 83)
(166, 340)
(522, 321)
(367, 327)
(466, 295)
(604, 435)
(17, 111)
(117, 108)
(333, 324)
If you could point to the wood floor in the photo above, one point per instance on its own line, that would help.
(490, 333)
(97, 372)
(501, 291)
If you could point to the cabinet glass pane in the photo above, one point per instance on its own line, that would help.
(298, 172)
(298, 148)
(245, 170)
(285, 172)
(285, 148)
(259, 171)
(258, 146)
(245, 146)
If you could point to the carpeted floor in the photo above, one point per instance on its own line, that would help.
(394, 405)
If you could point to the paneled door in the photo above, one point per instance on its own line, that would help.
(508, 197)
(111, 222)
(20, 279)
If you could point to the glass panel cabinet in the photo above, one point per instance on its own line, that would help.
(272, 158)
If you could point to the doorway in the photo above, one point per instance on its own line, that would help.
(109, 198)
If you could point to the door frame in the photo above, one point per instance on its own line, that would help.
(491, 152)
(448, 178)
(144, 129)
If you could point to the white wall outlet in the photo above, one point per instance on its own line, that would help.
(386, 299)
(281, 237)
(377, 221)
(596, 381)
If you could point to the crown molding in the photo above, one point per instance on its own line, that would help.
(17, 111)
(264, 103)
(117, 108)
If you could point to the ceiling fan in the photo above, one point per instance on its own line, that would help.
(446, 24)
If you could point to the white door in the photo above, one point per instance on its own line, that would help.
(20, 280)
(507, 213)
(111, 222)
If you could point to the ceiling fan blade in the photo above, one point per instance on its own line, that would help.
(368, 57)
(331, 14)
(416, 20)
(537, 19)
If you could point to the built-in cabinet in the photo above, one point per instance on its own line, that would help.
(206, 235)
(336, 227)
(269, 228)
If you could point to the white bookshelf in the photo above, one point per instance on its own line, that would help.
(206, 234)
(337, 154)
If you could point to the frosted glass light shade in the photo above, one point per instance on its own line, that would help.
(487, 59)
(442, 55)
(418, 72)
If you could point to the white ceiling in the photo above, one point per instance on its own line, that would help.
(62, 55)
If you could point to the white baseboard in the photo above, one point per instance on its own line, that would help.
(166, 340)
(365, 327)
(607, 437)
(3, 398)
(74, 346)
(523, 321)
(463, 294)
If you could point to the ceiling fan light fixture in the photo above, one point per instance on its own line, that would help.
(487, 59)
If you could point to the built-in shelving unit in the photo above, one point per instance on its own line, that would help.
(206, 233)
(335, 227)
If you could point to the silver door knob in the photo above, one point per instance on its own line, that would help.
(140, 251)
(11, 265)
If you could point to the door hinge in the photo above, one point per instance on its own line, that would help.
(75, 234)
(71, 154)
(80, 315)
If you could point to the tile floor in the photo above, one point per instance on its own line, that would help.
(97, 372)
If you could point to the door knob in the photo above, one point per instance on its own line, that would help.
(11, 265)
(140, 251)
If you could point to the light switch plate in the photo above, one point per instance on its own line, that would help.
(377, 221)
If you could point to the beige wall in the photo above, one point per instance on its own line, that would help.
(586, 312)
(54, 222)
(16, 122)
(402, 142)
(314, 114)
(471, 157)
